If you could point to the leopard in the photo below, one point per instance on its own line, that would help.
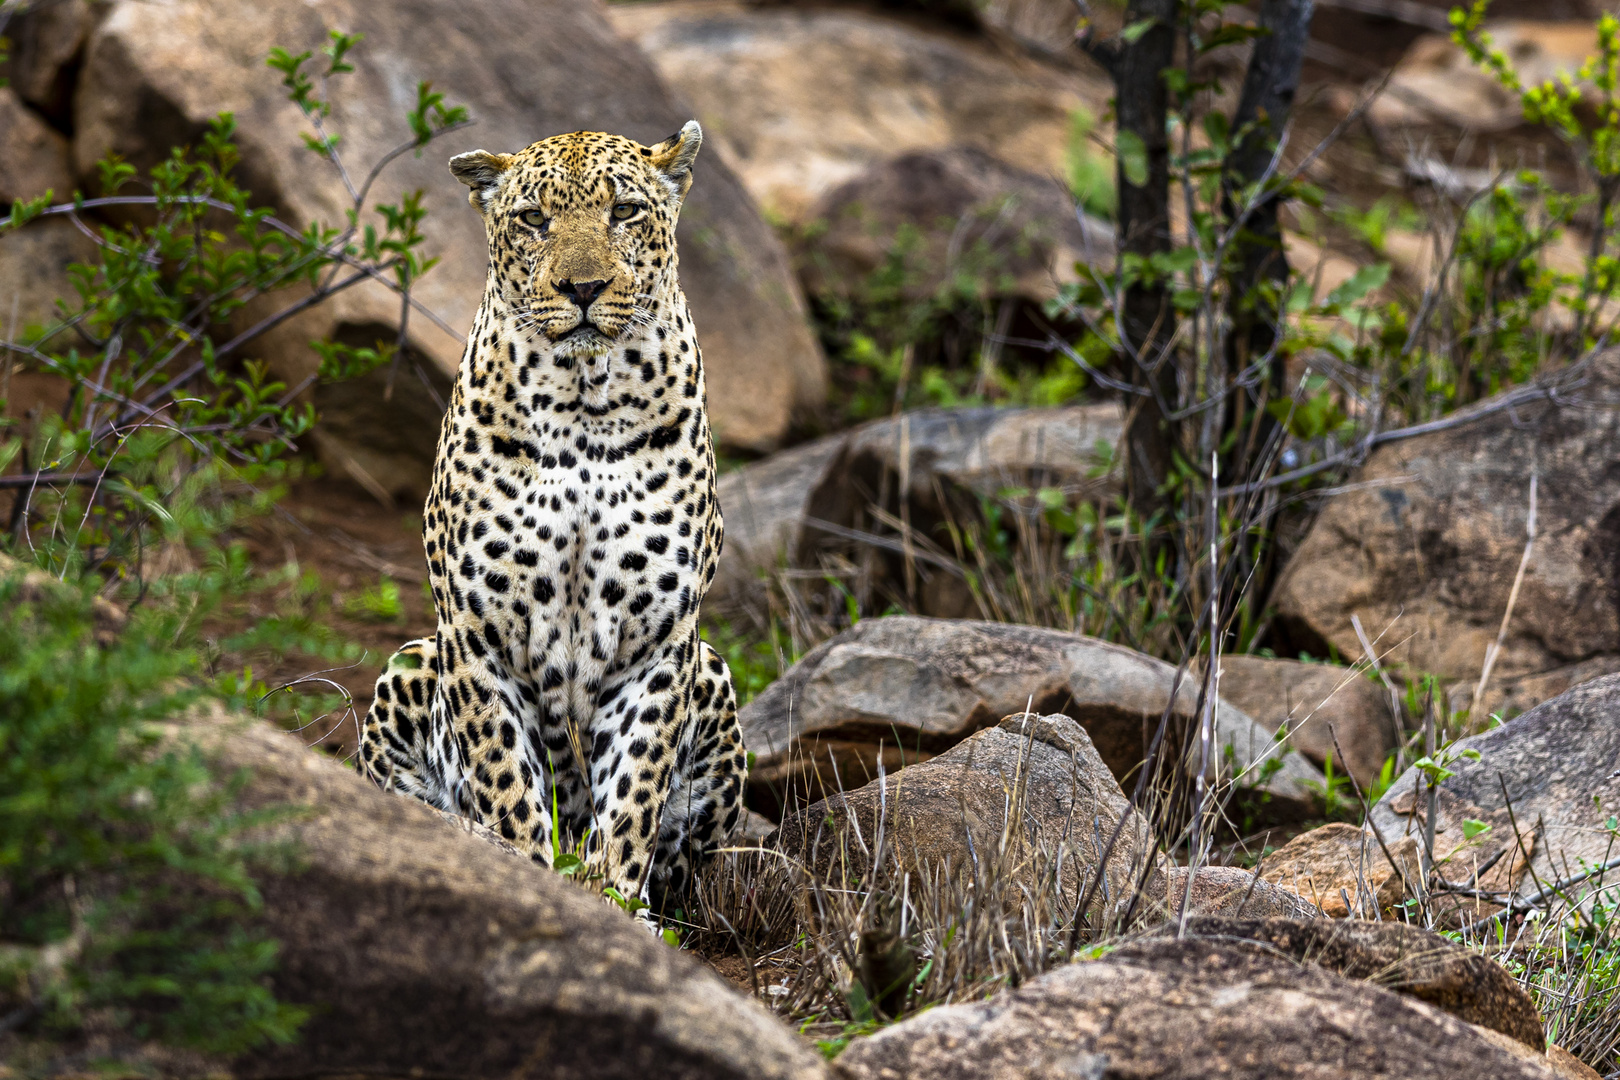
(567, 700)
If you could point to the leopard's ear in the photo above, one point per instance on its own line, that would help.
(483, 172)
(674, 156)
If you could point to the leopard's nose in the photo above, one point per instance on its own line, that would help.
(581, 292)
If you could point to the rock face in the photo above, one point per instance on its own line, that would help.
(35, 584)
(1559, 764)
(424, 948)
(46, 40)
(752, 827)
(911, 688)
(1226, 891)
(1399, 957)
(1013, 232)
(1568, 1066)
(1043, 25)
(1183, 1009)
(770, 506)
(1316, 702)
(1425, 547)
(806, 98)
(1344, 871)
(153, 77)
(33, 158)
(1029, 794)
(1436, 83)
(1509, 697)
(34, 263)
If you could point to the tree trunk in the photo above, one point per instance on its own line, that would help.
(1149, 323)
(1262, 114)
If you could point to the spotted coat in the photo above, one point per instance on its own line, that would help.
(571, 533)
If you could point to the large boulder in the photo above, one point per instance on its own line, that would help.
(1317, 703)
(969, 218)
(905, 689)
(33, 157)
(1404, 958)
(1424, 546)
(1227, 891)
(34, 262)
(1046, 26)
(1436, 83)
(1346, 872)
(1506, 698)
(32, 585)
(1027, 801)
(424, 948)
(46, 42)
(1568, 1066)
(154, 76)
(1554, 771)
(1232, 999)
(795, 507)
(808, 97)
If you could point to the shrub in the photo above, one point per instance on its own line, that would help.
(125, 899)
(163, 386)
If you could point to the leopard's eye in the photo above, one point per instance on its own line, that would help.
(534, 218)
(624, 211)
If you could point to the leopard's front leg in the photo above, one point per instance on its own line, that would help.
(498, 781)
(394, 739)
(705, 798)
(635, 740)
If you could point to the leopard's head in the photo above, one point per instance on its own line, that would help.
(582, 230)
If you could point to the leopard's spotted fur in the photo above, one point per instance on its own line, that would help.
(571, 533)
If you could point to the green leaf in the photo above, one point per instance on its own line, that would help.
(1359, 284)
(1436, 772)
(1311, 418)
(1176, 261)
(1133, 33)
(631, 904)
(1473, 827)
(860, 1006)
(339, 46)
(1231, 34)
(25, 210)
(1132, 153)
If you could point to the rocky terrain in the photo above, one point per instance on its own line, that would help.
(1008, 817)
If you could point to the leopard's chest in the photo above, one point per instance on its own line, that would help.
(579, 544)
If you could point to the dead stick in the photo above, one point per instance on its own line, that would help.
(1495, 648)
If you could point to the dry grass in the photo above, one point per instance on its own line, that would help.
(835, 953)
(859, 934)
(841, 955)
(1066, 558)
(842, 945)
(1561, 941)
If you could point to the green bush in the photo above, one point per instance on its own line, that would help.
(156, 347)
(126, 901)
(1090, 174)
